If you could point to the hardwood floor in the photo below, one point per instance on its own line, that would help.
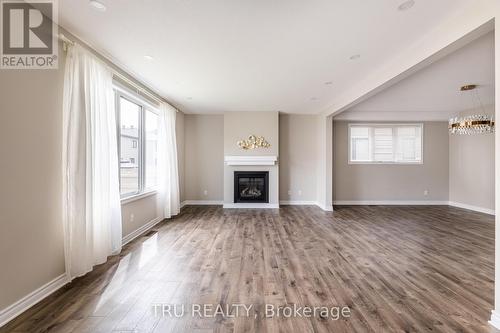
(398, 269)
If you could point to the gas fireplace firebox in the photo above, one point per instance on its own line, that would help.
(251, 187)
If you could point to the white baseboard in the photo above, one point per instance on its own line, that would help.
(201, 203)
(495, 319)
(306, 203)
(31, 299)
(298, 203)
(326, 208)
(473, 208)
(389, 203)
(257, 205)
(251, 205)
(136, 233)
(342, 203)
(46, 290)
(412, 203)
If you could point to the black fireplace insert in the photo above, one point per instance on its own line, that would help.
(251, 186)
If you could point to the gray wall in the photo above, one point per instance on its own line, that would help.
(238, 126)
(472, 168)
(204, 162)
(31, 234)
(364, 182)
(30, 196)
(298, 157)
(204, 165)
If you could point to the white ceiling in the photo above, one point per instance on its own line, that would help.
(252, 55)
(433, 92)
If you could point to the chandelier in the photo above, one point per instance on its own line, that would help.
(473, 124)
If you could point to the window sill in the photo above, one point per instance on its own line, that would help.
(139, 196)
(385, 163)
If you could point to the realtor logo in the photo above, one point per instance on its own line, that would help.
(29, 34)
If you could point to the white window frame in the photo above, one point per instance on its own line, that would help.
(394, 126)
(122, 92)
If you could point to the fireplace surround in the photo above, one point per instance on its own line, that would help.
(251, 186)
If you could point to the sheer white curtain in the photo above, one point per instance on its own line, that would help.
(91, 194)
(167, 163)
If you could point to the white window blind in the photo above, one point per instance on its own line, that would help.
(385, 143)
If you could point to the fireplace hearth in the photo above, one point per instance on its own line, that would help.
(251, 187)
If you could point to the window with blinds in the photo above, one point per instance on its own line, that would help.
(385, 143)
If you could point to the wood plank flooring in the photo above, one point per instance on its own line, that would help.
(398, 269)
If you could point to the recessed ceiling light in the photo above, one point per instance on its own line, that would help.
(328, 83)
(190, 98)
(406, 5)
(148, 57)
(314, 98)
(355, 57)
(97, 5)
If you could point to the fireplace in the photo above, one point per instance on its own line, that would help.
(251, 186)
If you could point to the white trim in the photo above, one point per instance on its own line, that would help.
(250, 160)
(394, 126)
(298, 203)
(340, 203)
(139, 231)
(251, 205)
(473, 208)
(119, 69)
(389, 203)
(137, 98)
(384, 163)
(326, 208)
(136, 197)
(305, 203)
(258, 205)
(495, 319)
(201, 203)
(14, 310)
(412, 203)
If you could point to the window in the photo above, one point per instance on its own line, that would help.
(385, 143)
(138, 144)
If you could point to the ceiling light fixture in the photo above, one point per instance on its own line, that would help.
(473, 124)
(149, 58)
(355, 57)
(97, 5)
(406, 5)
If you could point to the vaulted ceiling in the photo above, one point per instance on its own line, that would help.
(433, 93)
(239, 55)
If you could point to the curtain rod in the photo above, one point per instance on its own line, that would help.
(66, 41)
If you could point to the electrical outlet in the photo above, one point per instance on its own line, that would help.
(205, 192)
(132, 216)
(426, 192)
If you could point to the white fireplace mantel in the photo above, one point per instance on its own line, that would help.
(251, 160)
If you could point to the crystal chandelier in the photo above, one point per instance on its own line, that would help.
(473, 124)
